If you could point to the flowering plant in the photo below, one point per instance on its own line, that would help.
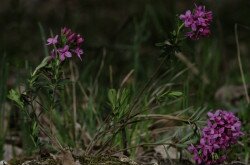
(198, 21)
(222, 131)
(47, 82)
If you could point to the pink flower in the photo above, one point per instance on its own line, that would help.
(198, 22)
(187, 17)
(66, 31)
(78, 52)
(52, 40)
(71, 38)
(79, 40)
(64, 52)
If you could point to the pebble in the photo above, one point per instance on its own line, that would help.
(3, 162)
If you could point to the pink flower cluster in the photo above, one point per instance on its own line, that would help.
(198, 21)
(69, 44)
(222, 131)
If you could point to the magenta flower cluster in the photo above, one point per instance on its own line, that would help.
(198, 22)
(222, 131)
(68, 44)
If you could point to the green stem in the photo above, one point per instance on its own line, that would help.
(178, 32)
(240, 64)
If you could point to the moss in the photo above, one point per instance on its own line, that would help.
(33, 161)
(84, 160)
(20, 160)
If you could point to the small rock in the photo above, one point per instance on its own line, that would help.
(127, 160)
(3, 162)
(10, 151)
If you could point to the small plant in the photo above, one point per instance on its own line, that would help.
(120, 103)
(45, 86)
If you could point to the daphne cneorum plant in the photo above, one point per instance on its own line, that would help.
(199, 22)
(46, 83)
(192, 25)
(223, 130)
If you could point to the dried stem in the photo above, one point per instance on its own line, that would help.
(74, 99)
(240, 64)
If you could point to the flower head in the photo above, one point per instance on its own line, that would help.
(222, 131)
(69, 44)
(52, 40)
(198, 22)
(64, 52)
(78, 52)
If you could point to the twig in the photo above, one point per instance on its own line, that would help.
(169, 117)
(147, 144)
(137, 98)
(192, 67)
(111, 76)
(127, 77)
(101, 67)
(73, 79)
(240, 64)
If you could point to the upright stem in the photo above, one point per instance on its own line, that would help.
(125, 141)
(146, 85)
(240, 64)
(74, 100)
(178, 32)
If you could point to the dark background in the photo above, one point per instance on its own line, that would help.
(106, 23)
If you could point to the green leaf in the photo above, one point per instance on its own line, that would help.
(34, 129)
(174, 32)
(33, 140)
(175, 94)
(32, 80)
(63, 82)
(124, 96)
(215, 156)
(112, 94)
(160, 44)
(16, 97)
(41, 65)
(181, 145)
(64, 39)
